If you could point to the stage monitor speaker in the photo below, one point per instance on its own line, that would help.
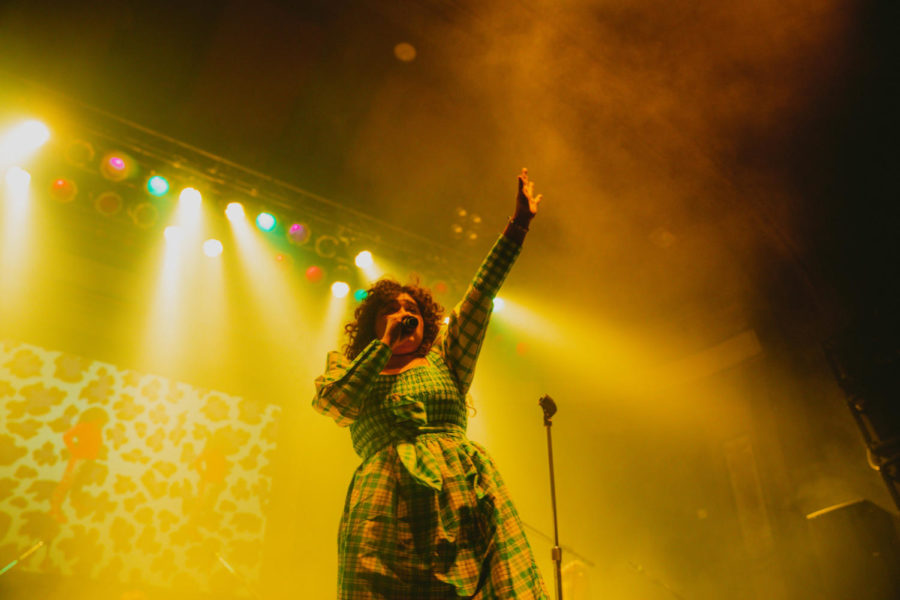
(857, 549)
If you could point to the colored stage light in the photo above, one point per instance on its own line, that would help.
(298, 234)
(22, 140)
(116, 166)
(234, 211)
(498, 304)
(63, 190)
(212, 248)
(108, 203)
(340, 289)
(360, 295)
(265, 221)
(314, 274)
(364, 260)
(158, 186)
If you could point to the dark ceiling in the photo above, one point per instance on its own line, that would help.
(695, 158)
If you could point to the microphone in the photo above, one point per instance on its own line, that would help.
(408, 324)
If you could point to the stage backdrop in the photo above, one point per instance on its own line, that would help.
(127, 476)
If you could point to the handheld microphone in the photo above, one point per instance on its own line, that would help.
(408, 324)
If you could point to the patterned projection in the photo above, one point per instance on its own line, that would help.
(126, 476)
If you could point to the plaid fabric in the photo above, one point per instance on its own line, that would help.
(427, 515)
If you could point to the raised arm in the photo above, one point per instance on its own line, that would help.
(459, 342)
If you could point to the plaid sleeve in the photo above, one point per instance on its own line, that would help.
(341, 390)
(460, 340)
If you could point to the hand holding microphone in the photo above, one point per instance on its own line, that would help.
(399, 328)
(408, 325)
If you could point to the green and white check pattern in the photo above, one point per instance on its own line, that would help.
(427, 515)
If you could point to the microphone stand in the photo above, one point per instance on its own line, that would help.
(549, 407)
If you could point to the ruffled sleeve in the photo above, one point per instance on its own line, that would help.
(341, 390)
(459, 342)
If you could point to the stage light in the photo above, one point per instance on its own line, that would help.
(190, 198)
(212, 248)
(234, 211)
(298, 234)
(446, 320)
(144, 215)
(498, 304)
(158, 186)
(284, 259)
(404, 51)
(340, 289)
(360, 295)
(265, 221)
(364, 260)
(314, 274)
(22, 140)
(63, 190)
(18, 178)
(116, 166)
(440, 287)
(173, 234)
(108, 203)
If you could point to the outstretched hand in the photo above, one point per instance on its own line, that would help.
(526, 202)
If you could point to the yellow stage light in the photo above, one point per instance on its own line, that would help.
(340, 289)
(22, 140)
(190, 197)
(173, 234)
(234, 211)
(364, 260)
(212, 248)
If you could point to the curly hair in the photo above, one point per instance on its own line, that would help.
(361, 330)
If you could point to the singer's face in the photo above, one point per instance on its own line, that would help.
(401, 306)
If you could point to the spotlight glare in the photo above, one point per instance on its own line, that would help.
(364, 260)
(340, 289)
(498, 304)
(157, 186)
(360, 295)
(190, 197)
(173, 234)
(265, 221)
(34, 134)
(234, 211)
(212, 248)
(17, 177)
(22, 140)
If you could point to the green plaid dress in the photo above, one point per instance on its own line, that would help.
(427, 515)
